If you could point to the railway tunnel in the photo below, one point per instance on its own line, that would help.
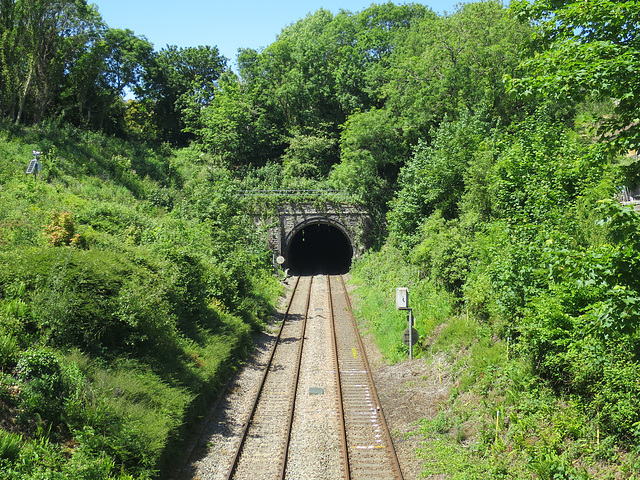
(319, 248)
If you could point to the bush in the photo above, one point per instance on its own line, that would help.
(40, 377)
(93, 301)
(61, 231)
(443, 254)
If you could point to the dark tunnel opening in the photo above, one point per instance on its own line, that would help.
(319, 249)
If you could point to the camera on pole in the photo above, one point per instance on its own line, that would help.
(34, 165)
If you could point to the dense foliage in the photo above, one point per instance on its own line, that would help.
(489, 143)
(130, 283)
(513, 229)
(587, 49)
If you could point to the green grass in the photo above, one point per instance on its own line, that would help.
(377, 275)
(9, 445)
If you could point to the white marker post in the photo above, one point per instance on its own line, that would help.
(402, 303)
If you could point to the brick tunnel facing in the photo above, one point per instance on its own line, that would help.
(319, 248)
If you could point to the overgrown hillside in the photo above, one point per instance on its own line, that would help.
(130, 282)
(525, 285)
(523, 261)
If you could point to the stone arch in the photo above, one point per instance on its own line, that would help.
(352, 221)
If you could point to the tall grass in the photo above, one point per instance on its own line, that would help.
(9, 445)
(377, 275)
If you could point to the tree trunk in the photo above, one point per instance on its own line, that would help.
(27, 84)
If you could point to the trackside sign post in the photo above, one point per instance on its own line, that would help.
(402, 298)
(410, 335)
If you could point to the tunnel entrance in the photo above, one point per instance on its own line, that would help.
(319, 248)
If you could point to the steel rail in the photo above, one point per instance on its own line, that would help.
(343, 427)
(396, 463)
(292, 405)
(256, 401)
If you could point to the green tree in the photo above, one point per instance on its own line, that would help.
(318, 72)
(231, 126)
(310, 156)
(8, 59)
(454, 63)
(175, 79)
(103, 72)
(372, 151)
(126, 58)
(586, 49)
(434, 70)
(437, 177)
(38, 40)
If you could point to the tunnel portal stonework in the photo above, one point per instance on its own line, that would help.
(353, 221)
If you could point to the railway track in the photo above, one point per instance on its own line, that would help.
(264, 444)
(369, 447)
(316, 413)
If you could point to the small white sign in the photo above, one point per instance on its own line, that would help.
(402, 298)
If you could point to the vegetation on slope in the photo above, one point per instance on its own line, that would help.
(523, 265)
(526, 284)
(124, 302)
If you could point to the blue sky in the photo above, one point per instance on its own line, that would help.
(228, 24)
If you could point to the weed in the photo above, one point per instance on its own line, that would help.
(9, 445)
(8, 350)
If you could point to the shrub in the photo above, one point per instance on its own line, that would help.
(40, 376)
(91, 300)
(85, 467)
(443, 254)
(62, 231)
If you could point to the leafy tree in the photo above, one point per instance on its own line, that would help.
(437, 69)
(175, 80)
(320, 70)
(106, 68)
(125, 61)
(309, 156)
(453, 63)
(8, 59)
(586, 49)
(231, 126)
(437, 176)
(372, 152)
(38, 39)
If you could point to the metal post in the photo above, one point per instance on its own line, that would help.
(411, 333)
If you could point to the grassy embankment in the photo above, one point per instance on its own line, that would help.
(501, 420)
(130, 283)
